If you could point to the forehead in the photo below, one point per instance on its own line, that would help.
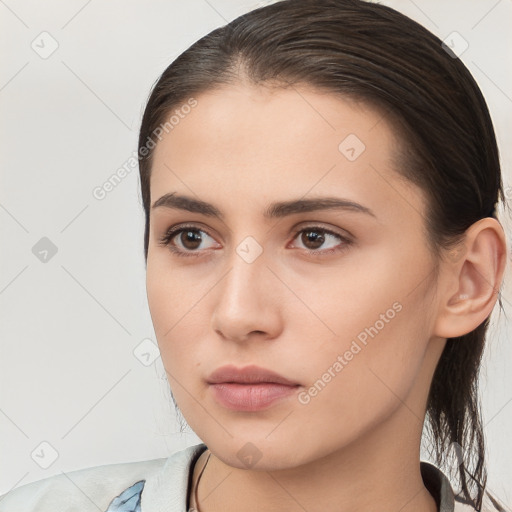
(249, 140)
(276, 118)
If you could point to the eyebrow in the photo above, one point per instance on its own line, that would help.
(273, 211)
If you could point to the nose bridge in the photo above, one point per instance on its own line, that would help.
(245, 301)
(248, 271)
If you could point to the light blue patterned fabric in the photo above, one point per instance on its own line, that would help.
(128, 500)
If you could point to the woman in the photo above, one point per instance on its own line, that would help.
(319, 181)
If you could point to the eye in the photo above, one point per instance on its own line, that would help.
(189, 240)
(313, 237)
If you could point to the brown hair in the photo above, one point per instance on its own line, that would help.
(372, 53)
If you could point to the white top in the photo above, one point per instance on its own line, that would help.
(157, 485)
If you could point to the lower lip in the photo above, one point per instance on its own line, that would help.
(250, 397)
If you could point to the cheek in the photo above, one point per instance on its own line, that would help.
(170, 303)
(375, 317)
(357, 382)
(171, 293)
(360, 299)
(167, 298)
(363, 374)
(176, 302)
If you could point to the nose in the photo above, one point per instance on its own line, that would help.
(247, 303)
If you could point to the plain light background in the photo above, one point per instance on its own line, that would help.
(75, 390)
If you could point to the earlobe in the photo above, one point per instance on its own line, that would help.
(476, 277)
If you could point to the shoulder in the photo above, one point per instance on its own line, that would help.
(103, 488)
(84, 489)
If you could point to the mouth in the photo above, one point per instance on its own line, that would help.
(250, 397)
(250, 388)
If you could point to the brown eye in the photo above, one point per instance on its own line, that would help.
(185, 240)
(313, 238)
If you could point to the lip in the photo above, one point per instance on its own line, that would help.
(250, 397)
(251, 374)
(250, 388)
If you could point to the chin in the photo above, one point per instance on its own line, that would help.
(259, 454)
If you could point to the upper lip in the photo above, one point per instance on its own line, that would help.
(247, 375)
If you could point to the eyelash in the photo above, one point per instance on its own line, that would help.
(173, 232)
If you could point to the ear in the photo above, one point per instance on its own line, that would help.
(471, 279)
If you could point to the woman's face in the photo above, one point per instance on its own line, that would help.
(340, 301)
